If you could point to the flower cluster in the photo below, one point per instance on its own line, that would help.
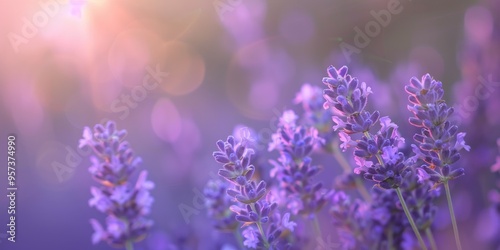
(126, 204)
(253, 206)
(376, 154)
(439, 143)
(294, 170)
(421, 197)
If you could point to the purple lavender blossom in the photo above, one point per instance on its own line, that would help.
(439, 143)
(125, 204)
(376, 154)
(420, 197)
(294, 169)
(252, 206)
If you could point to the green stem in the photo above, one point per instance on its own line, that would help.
(238, 238)
(316, 226)
(452, 215)
(334, 149)
(410, 219)
(428, 232)
(362, 189)
(390, 238)
(129, 245)
(259, 225)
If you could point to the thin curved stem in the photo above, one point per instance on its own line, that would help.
(430, 237)
(339, 157)
(362, 190)
(410, 219)
(129, 245)
(452, 215)
(334, 149)
(261, 230)
(238, 238)
(316, 226)
(390, 239)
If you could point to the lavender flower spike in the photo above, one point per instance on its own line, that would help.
(125, 203)
(294, 170)
(439, 143)
(376, 154)
(251, 207)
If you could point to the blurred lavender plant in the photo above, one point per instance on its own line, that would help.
(439, 143)
(218, 203)
(251, 208)
(294, 169)
(376, 154)
(311, 99)
(124, 203)
(353, 223)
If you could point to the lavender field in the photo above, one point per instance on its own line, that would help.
(250, 124)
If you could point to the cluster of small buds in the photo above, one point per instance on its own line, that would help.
(376, 154)
(294, 170)
(389, 220)
(125, 204)
(439, 143)
(420, 197)
(253, 206)
(296, 142)
(218, 203)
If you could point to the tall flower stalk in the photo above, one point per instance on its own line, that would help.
(125, 203)
(376, 154)
(294, 170)
(264, 225)
(439, 143)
